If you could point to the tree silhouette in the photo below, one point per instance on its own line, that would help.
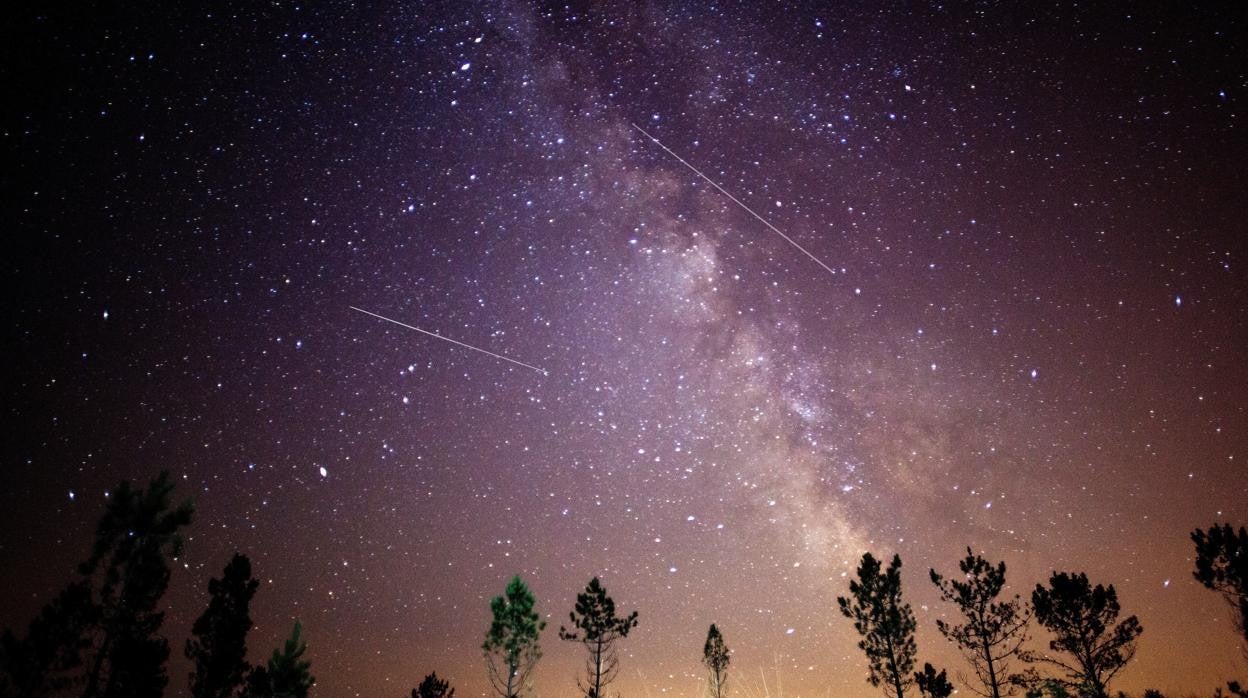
(715, 657)
(932, 684)
(596, 626)
(432, 687)
(219, 645)
(1037, 687)
(1083, 620)
(885, 623)
(50, 658)
(993, 631)
(99, 636)
(1222, 565)
(511, 649)
(287, 675)
(134, 541)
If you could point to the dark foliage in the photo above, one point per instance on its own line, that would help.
(219, 643)
(511, 649)
(50, 658)
(932, 684)
(100, 635)
(715, 658)
(885, 623)
(433, 687)
(287, 675)
(993, 630)
(596, 626)
(1089, 643)
(1222, 565)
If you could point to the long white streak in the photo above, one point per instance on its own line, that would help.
(452, 341)
(735, 200)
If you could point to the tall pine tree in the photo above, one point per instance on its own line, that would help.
(287, 675)
(511, 648)
(219, 645)
(715, 658)
(100, 636)
(1090, 646)
(596, 626)
(49, 659)
(885, 623)
(993, 630)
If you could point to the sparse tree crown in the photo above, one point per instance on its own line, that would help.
(511, 648)
(885, 623)
(595, 625)
(993, 631)
(1089, 643)
(715, 657)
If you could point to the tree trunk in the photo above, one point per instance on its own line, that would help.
(598, 670)
(992, 670)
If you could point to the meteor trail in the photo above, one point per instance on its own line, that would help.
(452, 341)
(735, 200)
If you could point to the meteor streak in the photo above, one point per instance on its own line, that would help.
(542, 371)
(735, 200)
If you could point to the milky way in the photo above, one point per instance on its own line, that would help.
(1031, 339)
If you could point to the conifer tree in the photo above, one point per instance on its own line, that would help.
(135, 540)
(100, 635)
(993, 630)
(1222, 565)
(50, 658)
(885, 623)
(1091, 645)
(932, 684)
(219, 645)
(715, 657)
(511, 649)
(596, 626)
(287, 675)
(433, 687)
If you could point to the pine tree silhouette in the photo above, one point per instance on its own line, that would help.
(432, 687)
(596, 626)
(1222, 565)
(50, 658)
(135, 539)
(885, 623)
(287, 675)
(715, 657)
(100, 635)
(932, 684)
(993, 630)
(511, 649)
(1092, 645)
(219, 645)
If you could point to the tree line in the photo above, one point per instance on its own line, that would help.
(1089, 643)
(100, 637)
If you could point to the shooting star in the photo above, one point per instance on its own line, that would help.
(542, 371)
(735, 200)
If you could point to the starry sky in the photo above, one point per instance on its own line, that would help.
(1024, 332)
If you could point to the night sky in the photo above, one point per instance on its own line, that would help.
(1025, 331)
